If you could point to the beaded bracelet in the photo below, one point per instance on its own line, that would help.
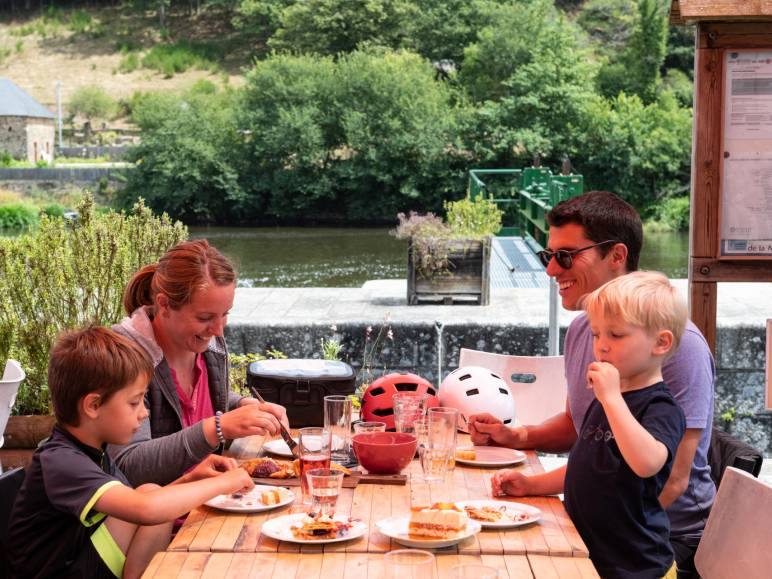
(218, 428)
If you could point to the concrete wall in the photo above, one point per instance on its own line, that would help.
(27, 139)
(432, 352)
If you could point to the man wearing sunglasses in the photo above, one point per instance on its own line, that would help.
(594, 238)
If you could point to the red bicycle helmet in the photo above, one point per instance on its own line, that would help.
(377, 404)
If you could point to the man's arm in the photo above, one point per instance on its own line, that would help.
(682, 466)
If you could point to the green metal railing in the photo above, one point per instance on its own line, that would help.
(525, 196)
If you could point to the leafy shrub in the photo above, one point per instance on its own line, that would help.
(53, 210)
(80, 22)
(71, 274)
(18, 216)
(671, 214)
(181, 56)
(473, 218)
(5, 159)
(92, 102)
(129, 63)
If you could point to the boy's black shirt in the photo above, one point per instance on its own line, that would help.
(49, 527)
(616, 512)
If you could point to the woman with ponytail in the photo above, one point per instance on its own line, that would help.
(177, 311)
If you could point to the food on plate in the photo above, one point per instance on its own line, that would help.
(440, 521)
(495, 515)
(466, 454)
(272, 496)
(315, 527)
(269, 468)
(265, 467)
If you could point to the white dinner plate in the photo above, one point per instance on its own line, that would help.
(515, 514)
(249, 502)
(397, 529)
(280, 529)
(278, 447)
(492, 456)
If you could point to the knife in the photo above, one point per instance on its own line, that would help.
(293, 446)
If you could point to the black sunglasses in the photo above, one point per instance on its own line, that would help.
(565, 257)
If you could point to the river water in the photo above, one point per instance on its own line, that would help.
(348, 257)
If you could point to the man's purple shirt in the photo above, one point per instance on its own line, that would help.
(690, 374)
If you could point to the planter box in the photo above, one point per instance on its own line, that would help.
(27, 431)
(467, 283)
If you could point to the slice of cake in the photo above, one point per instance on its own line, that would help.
(271, 497)
(440, 521)
(468, 454)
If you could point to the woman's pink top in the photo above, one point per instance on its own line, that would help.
(198, 405)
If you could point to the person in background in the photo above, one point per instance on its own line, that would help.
(594, 238)
(178, 309)
(76, 515)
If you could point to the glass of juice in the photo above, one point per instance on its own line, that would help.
(315, 444)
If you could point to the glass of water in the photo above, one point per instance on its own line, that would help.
(337, 419)
(408, 407)
(325, 485)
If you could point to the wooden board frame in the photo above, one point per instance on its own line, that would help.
(706, 266)
(768, 365)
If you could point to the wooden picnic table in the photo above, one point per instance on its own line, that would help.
(219, 544)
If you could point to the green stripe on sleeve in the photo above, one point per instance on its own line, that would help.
(108, 550)
(89, 521)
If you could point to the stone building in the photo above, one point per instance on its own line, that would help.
(26, 126)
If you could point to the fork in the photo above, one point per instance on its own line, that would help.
(293, 446)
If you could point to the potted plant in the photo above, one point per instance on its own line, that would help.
(448, 261)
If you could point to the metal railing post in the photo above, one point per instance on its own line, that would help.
(553, 338)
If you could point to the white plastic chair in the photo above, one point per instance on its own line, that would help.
(537, 383)
(736, 539)
(9, 386)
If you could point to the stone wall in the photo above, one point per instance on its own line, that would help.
(13, 136)
(432, 352)
(25, 137)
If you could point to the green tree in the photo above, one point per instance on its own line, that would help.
(646, 51)
(92, 102)
(334, 26)
(185, 164)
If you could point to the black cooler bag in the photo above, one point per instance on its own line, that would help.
(301, 385)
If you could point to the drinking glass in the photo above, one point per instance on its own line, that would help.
(325, 485)
(314, 444)
(474, 572)
(337, 419)
(443, 426)
(369, 427)
(434, 463)
(409, 564)
(408, 406)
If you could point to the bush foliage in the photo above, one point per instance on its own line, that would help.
(70, 274)
(346, 102)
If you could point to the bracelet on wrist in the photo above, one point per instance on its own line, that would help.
(218, 427)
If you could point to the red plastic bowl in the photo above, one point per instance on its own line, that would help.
(384, 452)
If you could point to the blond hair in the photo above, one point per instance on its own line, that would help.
(645, 299)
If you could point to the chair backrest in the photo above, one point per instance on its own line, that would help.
(9, 386)
(736, 539)
(10, 483)
(726, 450)
(537, 383)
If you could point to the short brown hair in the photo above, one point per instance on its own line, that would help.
(94, 359)
(604, 216)
(183, 270)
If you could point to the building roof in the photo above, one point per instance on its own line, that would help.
(14, 102)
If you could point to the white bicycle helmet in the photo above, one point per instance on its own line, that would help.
(473, 390)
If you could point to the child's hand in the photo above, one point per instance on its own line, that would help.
(509, 482)
(212, 465)
(237, 480)
(603, 378)
(486, 429)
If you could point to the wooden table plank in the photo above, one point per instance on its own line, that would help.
(217, 565)
(557, 544)
(152, 567)
(380, 509)
(578, 548)
(310, 566)
(251, 566)
(356, 566)
(542, 567)
(229, 534)
(170, 565)
(360, 509)
(518, 567)
(209, 529)
(189, 529)
(286, 565)
(333, 564)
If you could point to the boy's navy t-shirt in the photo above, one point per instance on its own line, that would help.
(616, 512)
(53, 516)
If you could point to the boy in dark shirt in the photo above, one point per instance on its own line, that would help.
(76, 515)
(624, 453)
